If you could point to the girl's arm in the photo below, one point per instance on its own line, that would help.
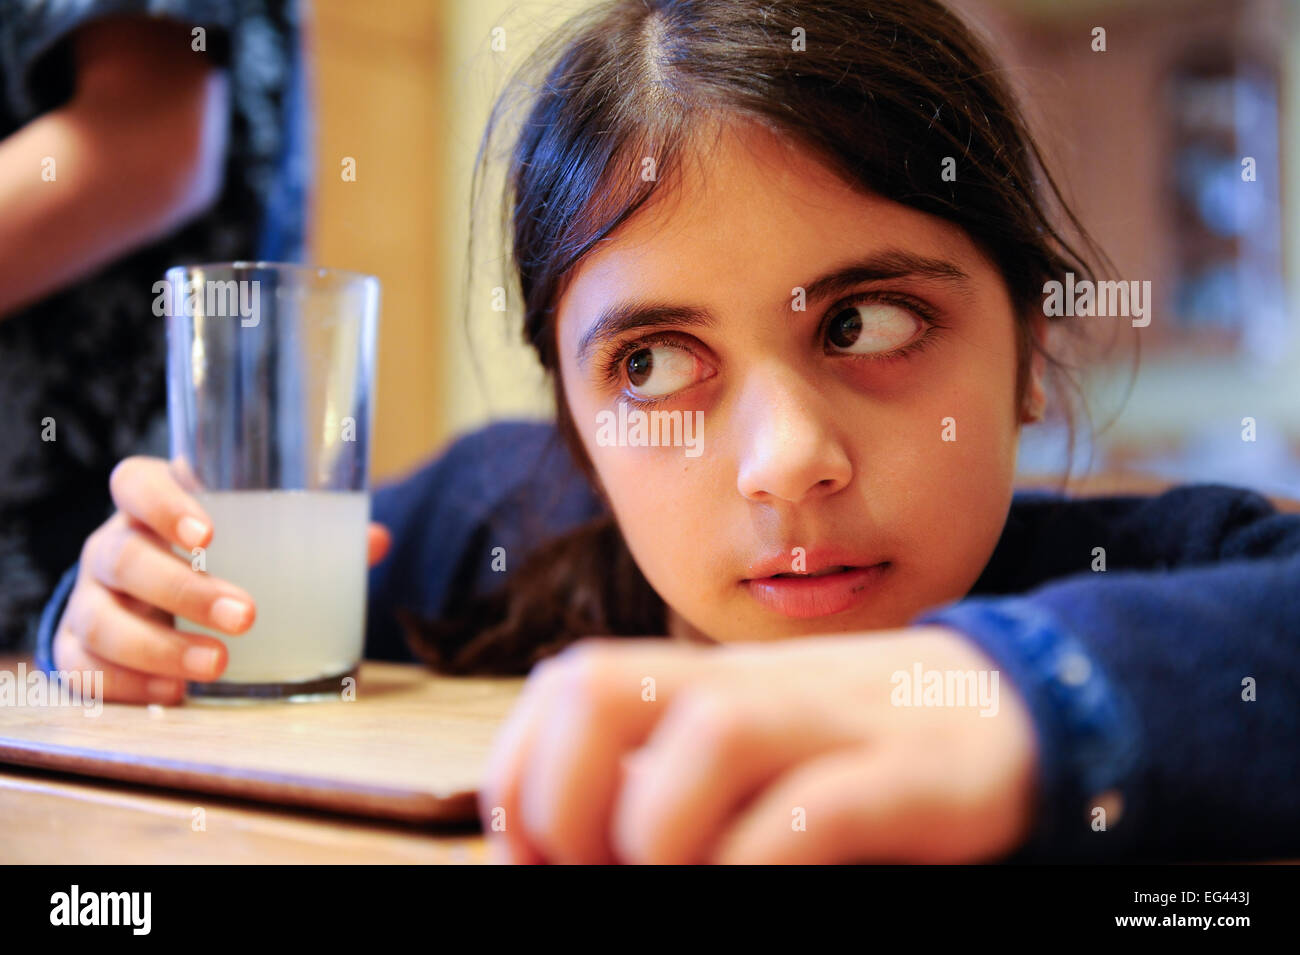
(1166, 697)
(509, 485)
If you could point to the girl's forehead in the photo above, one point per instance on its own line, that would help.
(754, 212)
(747, 166)
(743, 186)
(742, 224)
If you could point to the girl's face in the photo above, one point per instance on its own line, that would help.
(851, 366)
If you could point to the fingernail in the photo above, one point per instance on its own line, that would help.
(191, 531)
(159, 687)
(200, 661)
(229, 613)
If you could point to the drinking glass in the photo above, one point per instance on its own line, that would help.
(270, 370)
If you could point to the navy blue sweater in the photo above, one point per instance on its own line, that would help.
(1136, 677)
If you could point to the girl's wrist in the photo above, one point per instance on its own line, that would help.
(1086, 733)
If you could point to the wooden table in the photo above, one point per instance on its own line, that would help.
(59, 818)
(423, 737)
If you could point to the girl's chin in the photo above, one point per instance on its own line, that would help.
(681, 630)
(774, 627)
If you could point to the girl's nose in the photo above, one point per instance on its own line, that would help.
(790, 447)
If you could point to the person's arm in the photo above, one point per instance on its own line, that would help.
(138, 150)
(509, 484)
(1167, 697)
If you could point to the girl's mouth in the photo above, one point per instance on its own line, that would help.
(828, 591)
(820, 573)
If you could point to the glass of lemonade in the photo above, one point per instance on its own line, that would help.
(270, 370)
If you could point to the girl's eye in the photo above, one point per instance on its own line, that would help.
(656, 370)
(871, 328)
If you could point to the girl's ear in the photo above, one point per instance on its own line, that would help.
(1036, 389)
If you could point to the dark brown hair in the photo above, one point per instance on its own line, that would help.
(882, 91)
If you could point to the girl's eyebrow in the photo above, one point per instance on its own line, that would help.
(633, 314)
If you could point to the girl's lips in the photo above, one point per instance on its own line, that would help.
(817, 596)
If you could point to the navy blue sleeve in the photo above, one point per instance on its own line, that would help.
(1164, 688)
(50, 617)
(461, 524)
(464, 522)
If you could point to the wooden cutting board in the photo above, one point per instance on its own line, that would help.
(411, 746)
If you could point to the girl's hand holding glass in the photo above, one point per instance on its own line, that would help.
(130, 583)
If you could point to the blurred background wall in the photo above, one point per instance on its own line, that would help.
(405, 87)
(1146, 138)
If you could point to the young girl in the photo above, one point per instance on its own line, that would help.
(785, 263)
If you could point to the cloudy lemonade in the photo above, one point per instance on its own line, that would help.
(301, 555)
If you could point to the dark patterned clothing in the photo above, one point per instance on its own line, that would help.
(91, 357)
